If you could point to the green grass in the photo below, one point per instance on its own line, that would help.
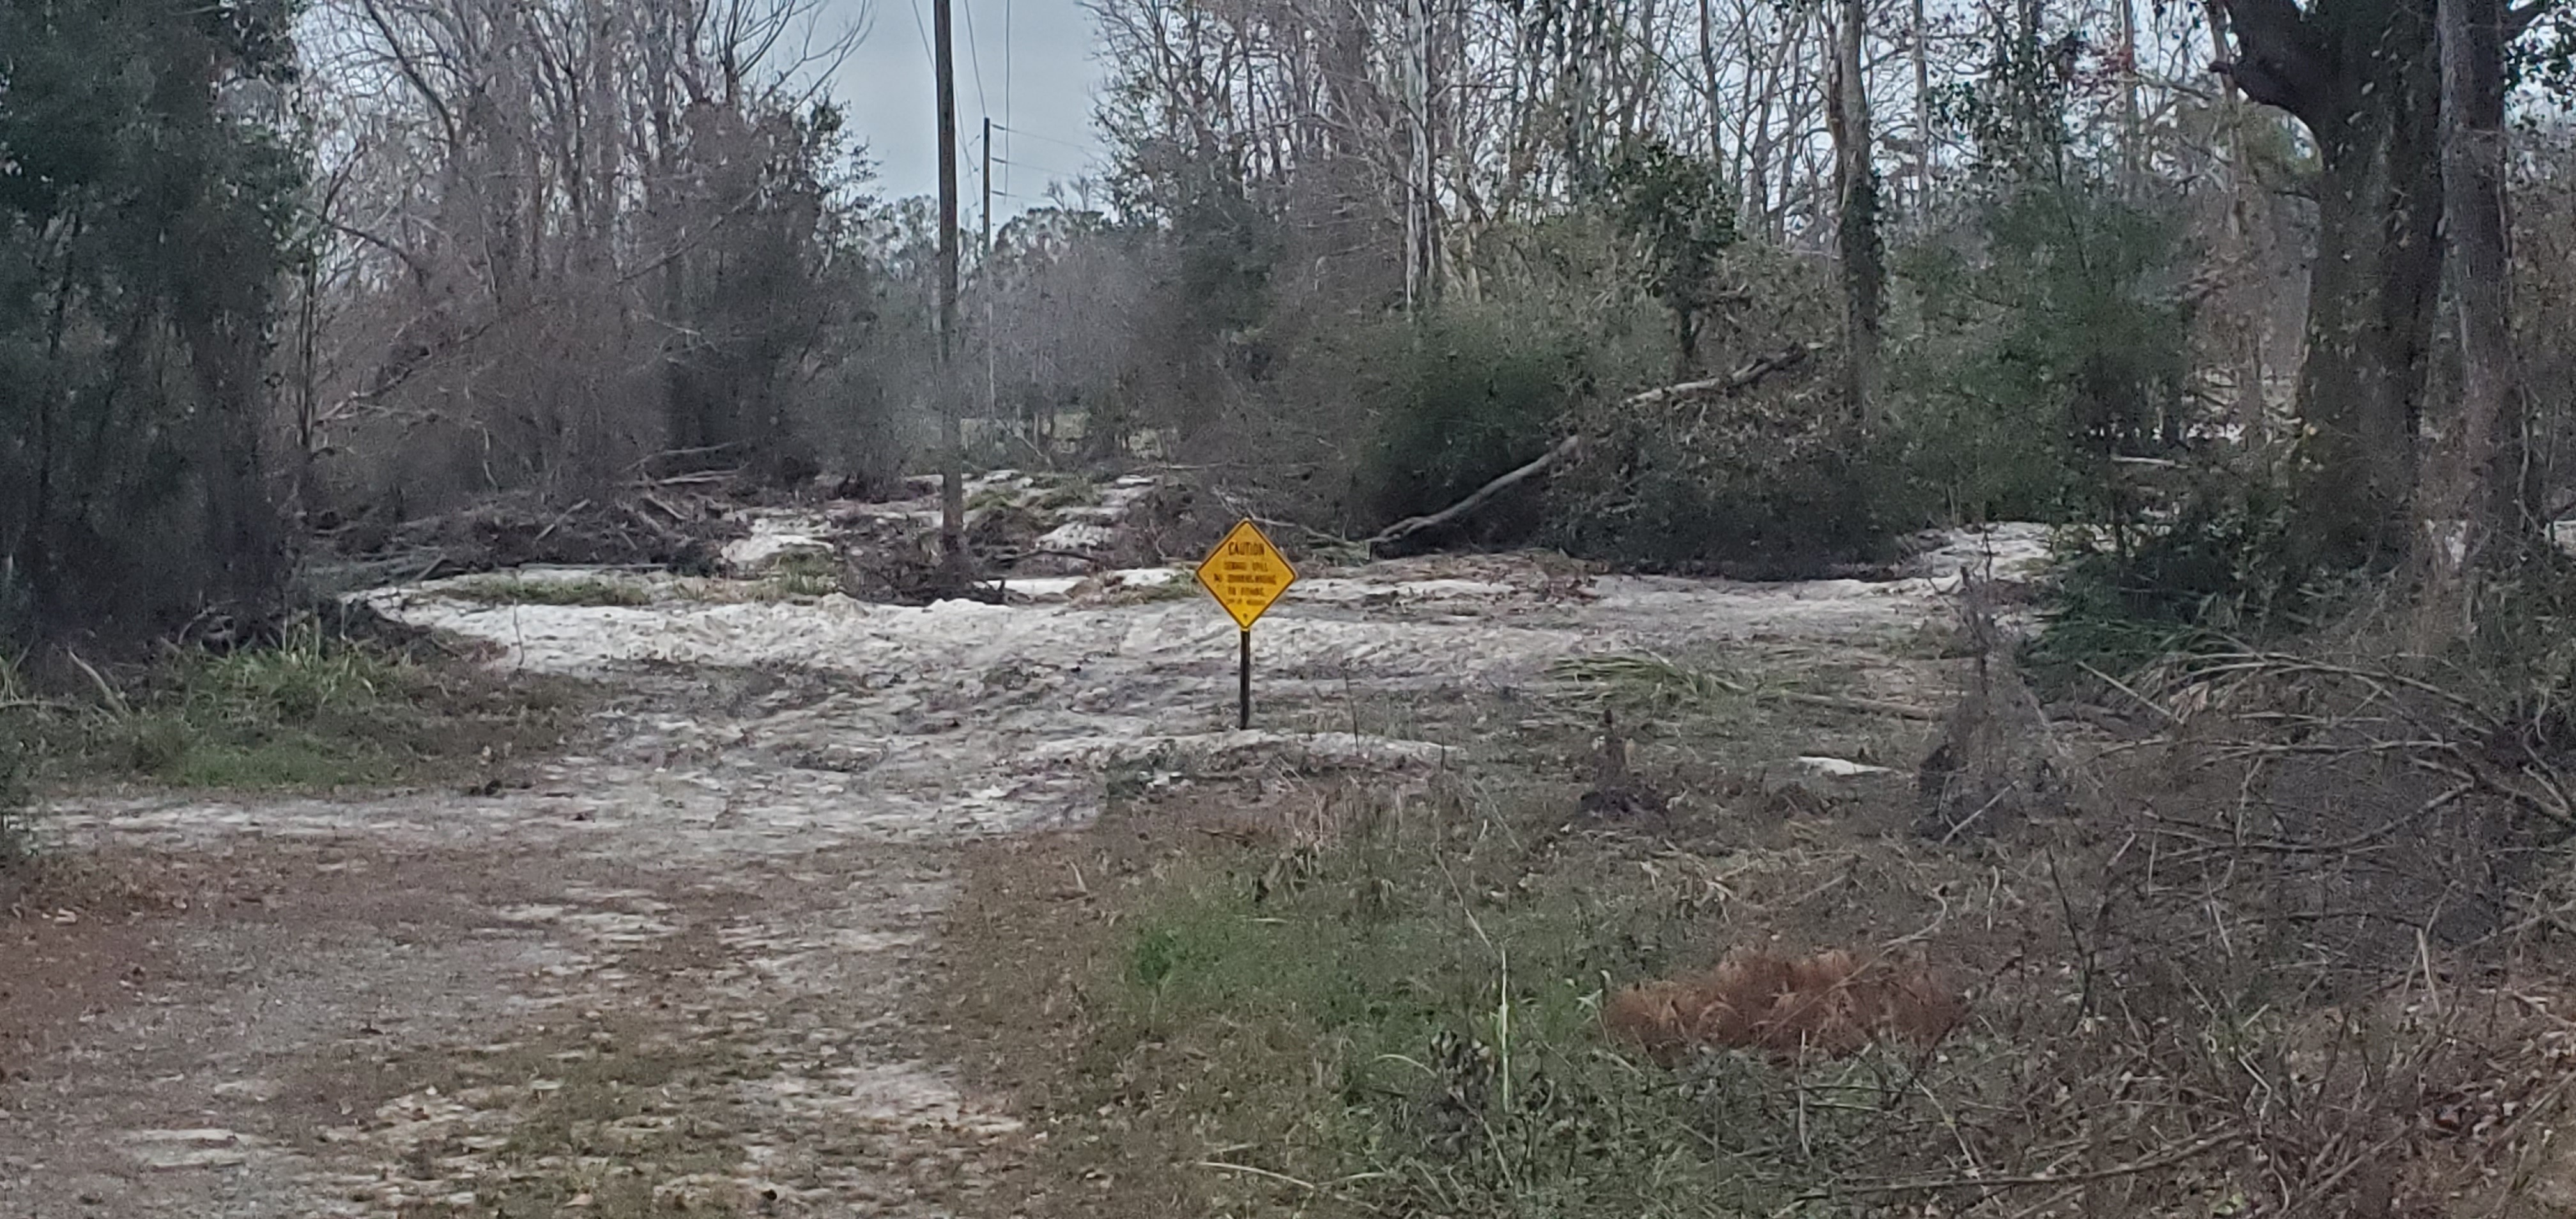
(17, 842)
(802, 575)
(313, 711)
(999, 496)
(1406, 1019)
(1182, 588)
(1070, 493)
(520, 590)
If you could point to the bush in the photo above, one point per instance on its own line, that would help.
(2052, 341)
(314, 709)
(1776, 479)
(2211, 569)
(1465, 395)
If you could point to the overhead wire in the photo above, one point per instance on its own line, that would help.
(975, 59)
(1036, 136)
(1006, 84)
(922, 29)
(1049, 170)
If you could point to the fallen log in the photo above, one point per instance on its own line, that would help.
(1565, 450)
(1735, 382)
(1572, 446)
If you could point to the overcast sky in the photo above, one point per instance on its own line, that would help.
(1037, 82)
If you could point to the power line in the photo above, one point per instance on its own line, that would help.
(1006, 81)
(1048, 138)
(1006, 61)
(1044, 169)
(975, 59)
(924, 32)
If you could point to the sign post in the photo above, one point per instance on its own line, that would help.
(1245, 574)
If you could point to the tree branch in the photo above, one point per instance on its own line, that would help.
(2518, 21)
(1397, 532)
(411, 72)
(2280, 59)
(1572, 446)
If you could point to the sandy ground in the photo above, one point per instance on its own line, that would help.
(673, 970)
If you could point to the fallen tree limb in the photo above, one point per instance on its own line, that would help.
(1732, 383)
(1564, 451)
(1567, 449)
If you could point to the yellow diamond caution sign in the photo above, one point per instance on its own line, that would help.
(1246, 573)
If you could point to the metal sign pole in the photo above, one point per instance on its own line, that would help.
(1245, 573)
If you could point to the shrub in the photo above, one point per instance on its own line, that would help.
(2130, 595)
(1776, 479)
(1464, 396)
(2053, 340)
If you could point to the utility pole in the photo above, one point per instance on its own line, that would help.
(952, 469)
(992, 389)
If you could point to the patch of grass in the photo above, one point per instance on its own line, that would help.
(1181, 588)
(1391, 1006)
(1711, 698)
(521, 590)
(1364, 1000)
(803, 575)
(999, 495)
(1071, 493)
(603, 1126)
(17, 804)
(313, 711)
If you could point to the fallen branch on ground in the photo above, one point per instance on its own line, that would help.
(1572, 446)
(1733, 383)
(1564, 451)
(1993, 1185)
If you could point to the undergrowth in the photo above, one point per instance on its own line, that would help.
(312, 710)
(1380, 998)
(17, 804)
(522, 590)
(798, 575)
(1402, 1019)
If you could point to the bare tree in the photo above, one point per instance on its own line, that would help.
(2494, 446)
(1856, 212)
(569, 236)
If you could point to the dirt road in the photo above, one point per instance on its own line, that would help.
(673, 969)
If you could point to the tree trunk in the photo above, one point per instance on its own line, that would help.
(2360, 74)
(1856, 194)
(1921, 54)
(2243, 248)
(2496, 482)
(244, 553)
(2132, 134)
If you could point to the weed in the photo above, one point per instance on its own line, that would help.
(1180, 588)
(313, 710)
(1072, 493)
(16, 803)
(803, 575)
(1396, 1012)
(521, 590)
(1653, 684)
(999, 495)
